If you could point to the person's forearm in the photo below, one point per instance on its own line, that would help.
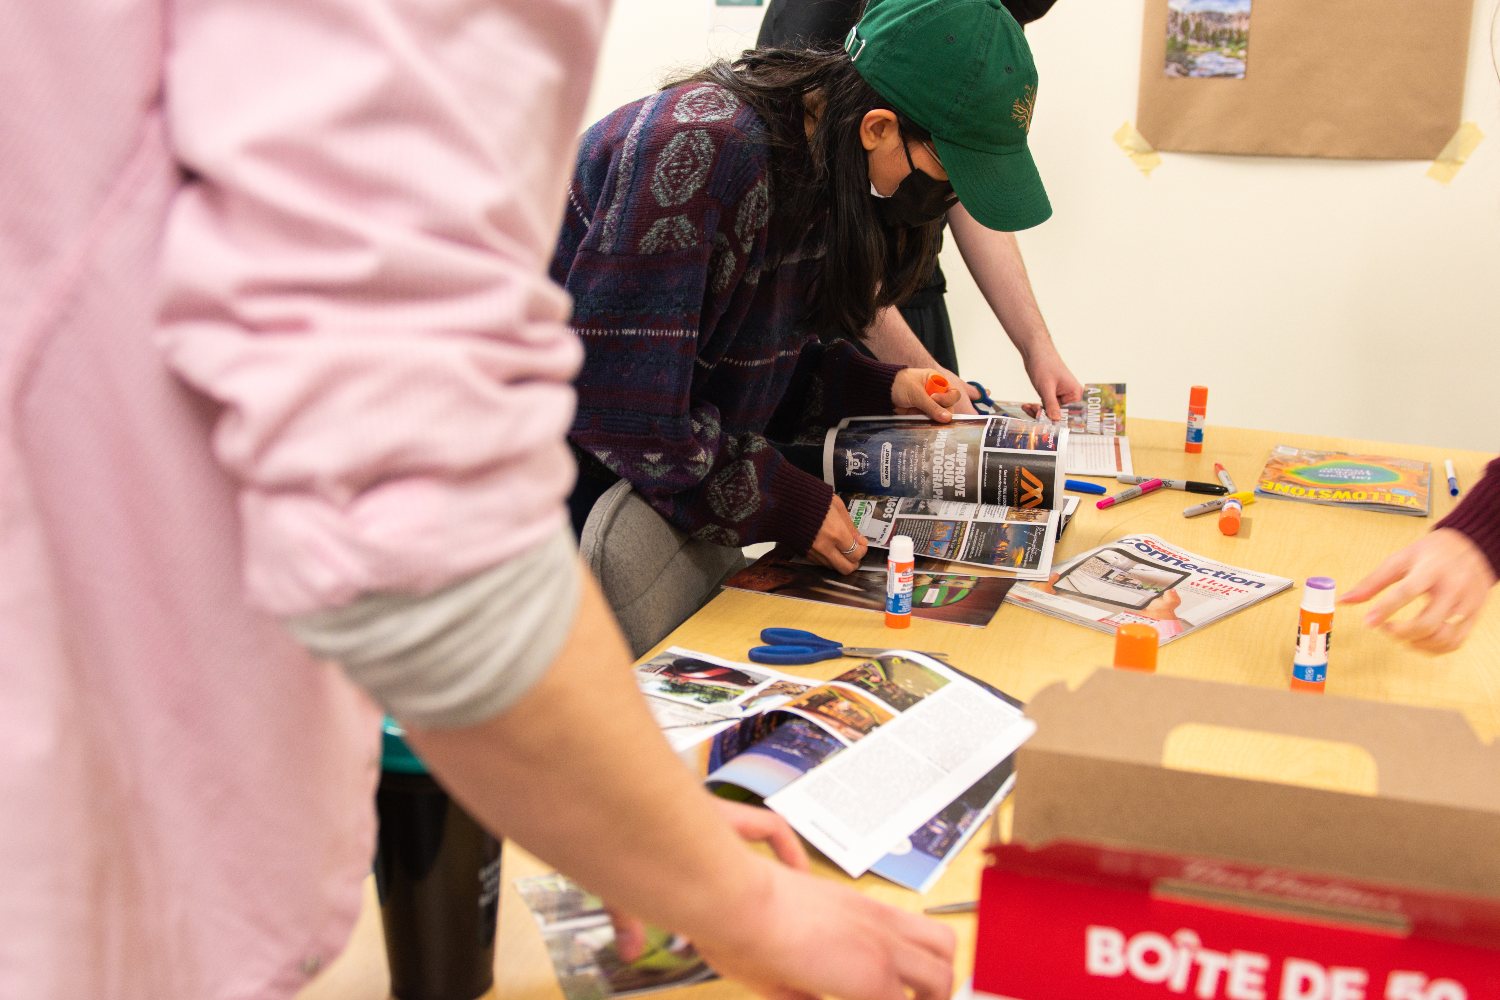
(891, 340)
(994, 260)
(577, 773)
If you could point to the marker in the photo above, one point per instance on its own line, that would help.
(1079, 486)
(1209, 506)
(1186, 485)
(1129, 494)
(1224, 479)
(936, 385)
(1452, 477)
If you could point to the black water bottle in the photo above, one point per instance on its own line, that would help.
(438, 875)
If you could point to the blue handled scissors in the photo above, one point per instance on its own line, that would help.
(985, 403)
(790, 646)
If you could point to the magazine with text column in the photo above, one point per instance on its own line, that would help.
(1144, 578)
(979, 490)
(889, 767)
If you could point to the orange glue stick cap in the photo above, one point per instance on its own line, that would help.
(1135, 647)
(1229, 517)
(936, 385)
(1197, 395)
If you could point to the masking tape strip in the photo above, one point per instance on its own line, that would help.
(1456, 153)
(1137, 148)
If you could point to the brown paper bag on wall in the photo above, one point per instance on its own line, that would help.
(1364, 79)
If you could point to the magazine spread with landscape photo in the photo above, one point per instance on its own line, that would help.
(891, 766)
(580, 941)
(978, 490)
(959, 598)
(1364, 482)
(1097, 445)
(1143, 578)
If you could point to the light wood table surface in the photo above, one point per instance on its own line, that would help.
(1023, 651)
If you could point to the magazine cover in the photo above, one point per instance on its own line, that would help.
(979, 490)
(896, 756)
(959, 598)
(1144, 578)
(1365, 482)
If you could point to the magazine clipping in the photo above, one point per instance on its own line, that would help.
(1144, 578)
(977, 490)
(891, 765)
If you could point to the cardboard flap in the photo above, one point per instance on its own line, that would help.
(1422, 754)
(1094, 773)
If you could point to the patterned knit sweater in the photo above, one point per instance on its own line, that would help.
(692, 314)
(1478, 516)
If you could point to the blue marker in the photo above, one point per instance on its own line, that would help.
(1079, 486)
(1452, 477)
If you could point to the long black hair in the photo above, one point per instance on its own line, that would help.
(824, 181)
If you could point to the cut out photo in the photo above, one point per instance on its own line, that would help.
(1208, 38)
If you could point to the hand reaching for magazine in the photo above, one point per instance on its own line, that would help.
(839, 545)
(753, 823)
(1447, 569)
(809, 937)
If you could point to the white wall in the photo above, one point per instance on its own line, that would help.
(1350, 298)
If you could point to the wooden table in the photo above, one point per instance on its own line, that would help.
(1023, 651)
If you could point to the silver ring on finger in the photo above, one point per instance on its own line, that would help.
(850, 550)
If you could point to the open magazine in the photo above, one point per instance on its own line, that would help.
(1143, 578)
(1097, 445)
(959, 598)
(1364, 482)
(580, 940)
(890, 766)
(978, 490)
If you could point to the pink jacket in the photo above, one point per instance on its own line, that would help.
(331, 218)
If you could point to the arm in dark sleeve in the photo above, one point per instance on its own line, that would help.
(1478, 516)
(647, 280)
(833, 380)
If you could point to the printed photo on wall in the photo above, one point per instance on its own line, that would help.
(1207, 38)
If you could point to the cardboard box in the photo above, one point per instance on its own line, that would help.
(1129, 878)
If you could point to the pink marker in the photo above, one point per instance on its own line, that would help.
(1130, 494)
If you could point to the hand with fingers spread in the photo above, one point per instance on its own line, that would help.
(838, 545)
(811, 937)
(1444, 567)
(909, 394)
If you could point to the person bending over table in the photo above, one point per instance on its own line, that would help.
(917, 331)
(726, 235)
(344, 261)
(1453, 567)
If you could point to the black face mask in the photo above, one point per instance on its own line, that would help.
(1026, 11)
(917, 200)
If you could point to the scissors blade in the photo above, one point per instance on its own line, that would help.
(878, 650)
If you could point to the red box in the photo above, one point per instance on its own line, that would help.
(1133, 879)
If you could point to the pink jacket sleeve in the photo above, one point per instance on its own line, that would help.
(355, 274)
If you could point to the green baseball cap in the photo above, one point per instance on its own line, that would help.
(962, 70)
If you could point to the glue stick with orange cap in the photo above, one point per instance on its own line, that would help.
(1197, 415)
(899, 565)
(1135, 647)
(1230, 514)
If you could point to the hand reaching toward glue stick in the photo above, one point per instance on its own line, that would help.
(1447, 569)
